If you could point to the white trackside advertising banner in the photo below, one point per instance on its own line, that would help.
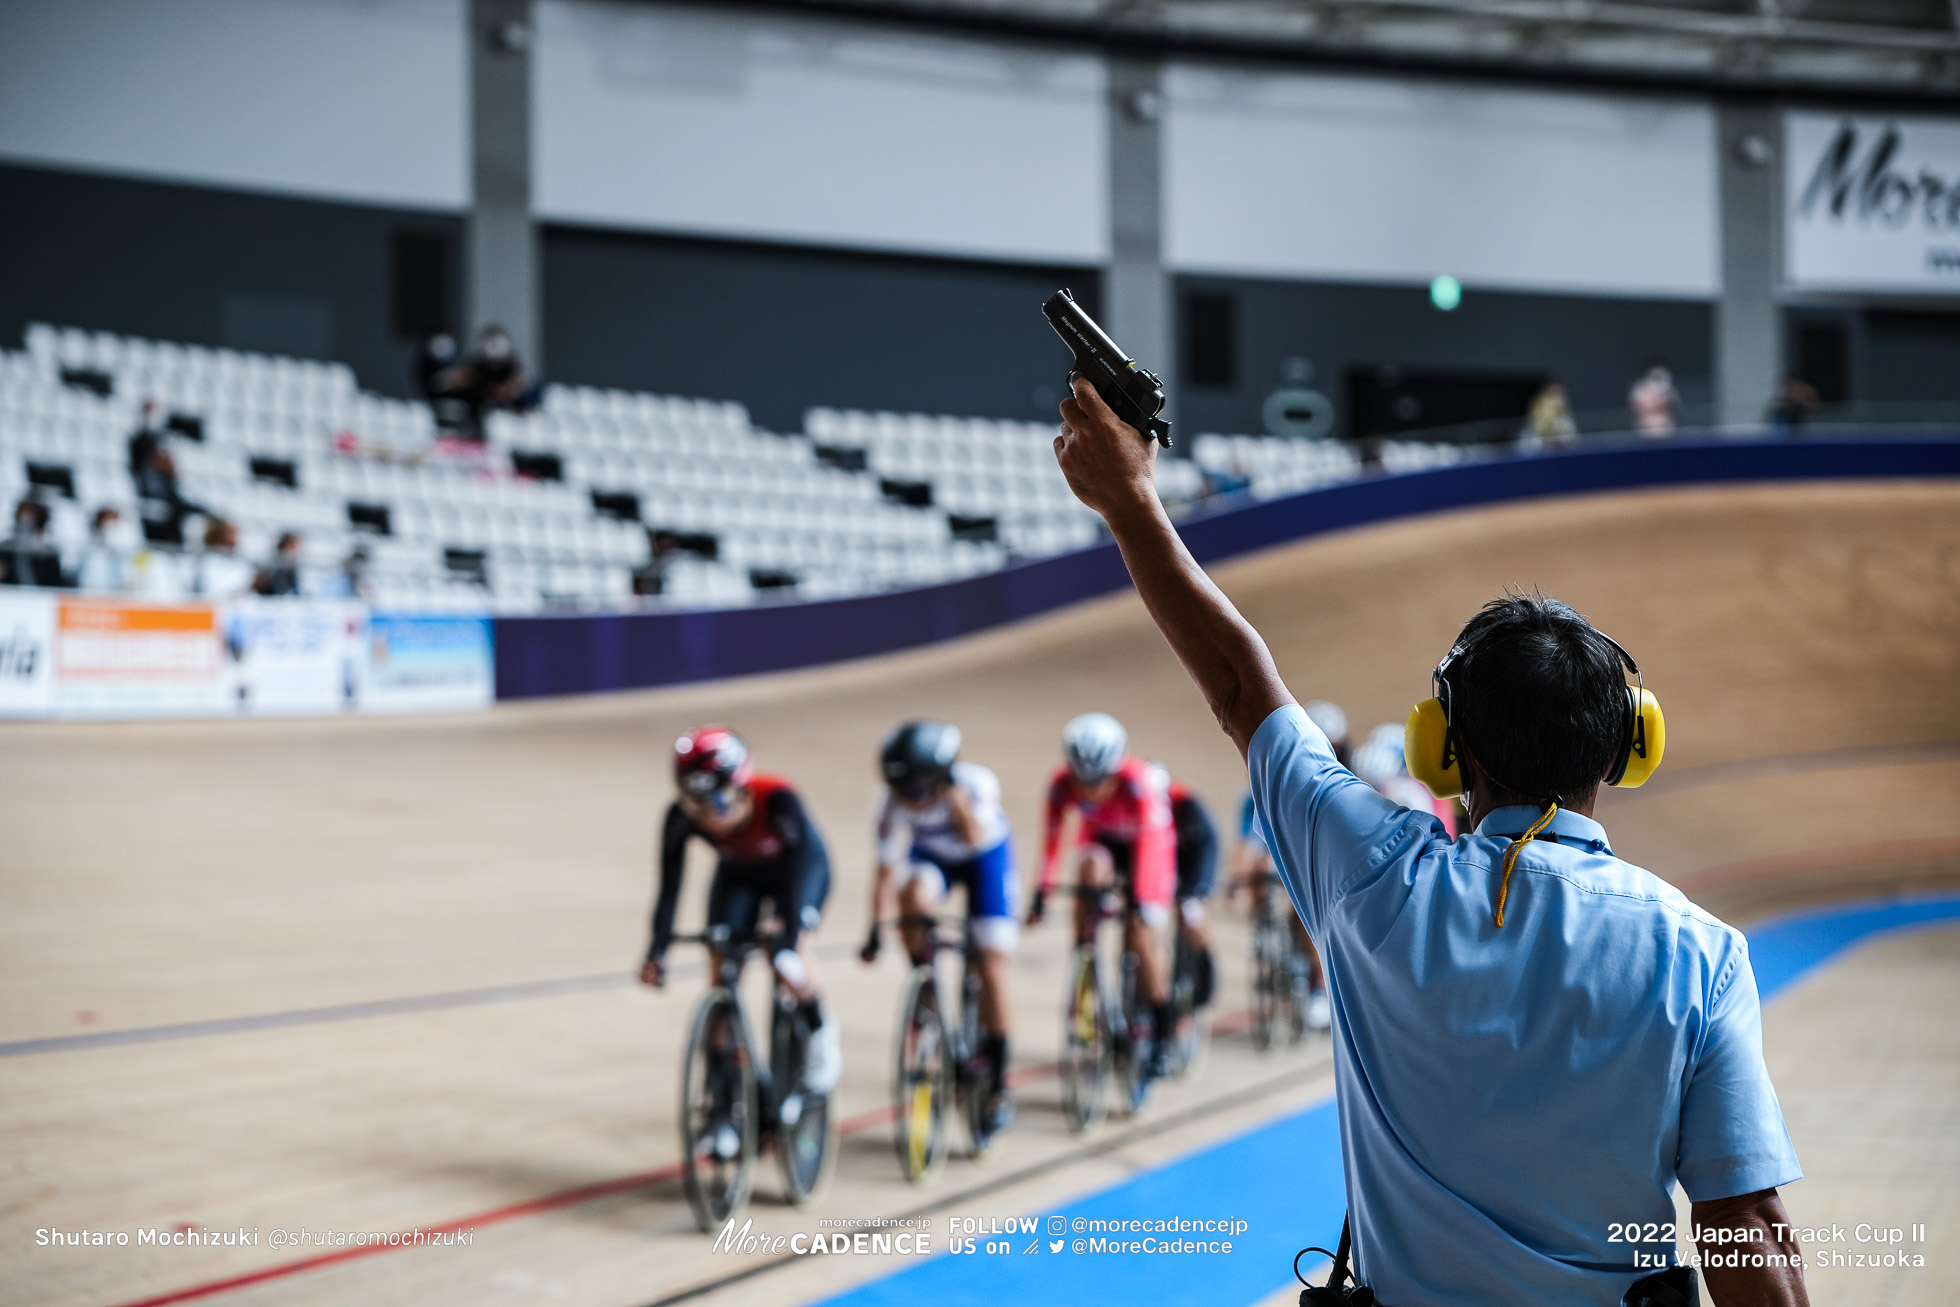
(26, 652)
(1871, 204)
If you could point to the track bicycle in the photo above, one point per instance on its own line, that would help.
(732, 1104)
(1278, 971)
(1104, 1019)
(935, 1063)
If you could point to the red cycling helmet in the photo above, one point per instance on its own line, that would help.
(710, 764)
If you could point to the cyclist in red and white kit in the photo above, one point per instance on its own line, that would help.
(1125, 838)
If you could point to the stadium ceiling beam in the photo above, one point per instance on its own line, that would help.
(1778, 48)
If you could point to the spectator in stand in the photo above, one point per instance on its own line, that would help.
(498, 375)
(280, 576)
(1549, 419)
(161, 503)
(1654, 402)
(351, 581)
(105, 566)
(1794, 402)
(221, 573)
(650, 577)
(446, 381)
(28, 557)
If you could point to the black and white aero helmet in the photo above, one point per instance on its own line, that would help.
(918, 757)
(1094, 745)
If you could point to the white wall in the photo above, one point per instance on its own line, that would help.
(1360, 178)
(362, 100)
(675, 119)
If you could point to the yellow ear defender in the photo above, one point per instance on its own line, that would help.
(1429, 746)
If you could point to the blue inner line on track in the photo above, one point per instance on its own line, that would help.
(1283, 1178)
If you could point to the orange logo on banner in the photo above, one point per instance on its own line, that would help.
(136, 641)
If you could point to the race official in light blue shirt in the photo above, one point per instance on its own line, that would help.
(1512, 1099)
(1526, 1063)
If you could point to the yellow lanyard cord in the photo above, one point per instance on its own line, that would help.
(1511, 856)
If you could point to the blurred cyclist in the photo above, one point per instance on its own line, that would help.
(1379, 762)
(768, 848)
(1126, 839)
(941, 824)
(1333, 723)
(1258, 877)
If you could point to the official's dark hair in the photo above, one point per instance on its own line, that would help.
(1538, 697)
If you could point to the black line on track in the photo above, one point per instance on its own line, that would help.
(381, 1007)
(1151, 1126)
(384, 1007)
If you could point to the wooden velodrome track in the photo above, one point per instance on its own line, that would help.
(481, 883)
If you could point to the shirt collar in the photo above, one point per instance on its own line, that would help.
(1573, 830)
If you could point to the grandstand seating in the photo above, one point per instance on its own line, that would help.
(553, 509)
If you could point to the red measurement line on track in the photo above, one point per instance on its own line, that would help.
(570, 1197)
(550, 1202)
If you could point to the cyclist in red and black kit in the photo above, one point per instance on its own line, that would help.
(1127, 840)
(768, 849)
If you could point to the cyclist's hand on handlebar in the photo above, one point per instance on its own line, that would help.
(874, 944)
(653, 972)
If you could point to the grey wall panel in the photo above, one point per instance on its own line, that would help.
(207, 267)
(355, 100)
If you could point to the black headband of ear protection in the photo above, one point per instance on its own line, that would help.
(1439, 680)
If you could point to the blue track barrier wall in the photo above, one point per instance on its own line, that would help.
(538, 656)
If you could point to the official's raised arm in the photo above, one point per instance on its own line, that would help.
(1111, 468)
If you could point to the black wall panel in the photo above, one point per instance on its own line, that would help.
(1298, 333)
(213, 267)
(784, 328)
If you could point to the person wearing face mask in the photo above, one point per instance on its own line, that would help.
(27, 557)
(105, 565)
(445, 379)
(280, 576)
(766, 848)
(497, 377)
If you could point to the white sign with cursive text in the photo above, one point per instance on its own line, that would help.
(1872, 204)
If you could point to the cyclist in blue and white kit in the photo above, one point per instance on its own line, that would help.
(941, 824)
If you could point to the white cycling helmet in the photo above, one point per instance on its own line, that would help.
(1379, 758)
(1333, 723)
(1094, 744)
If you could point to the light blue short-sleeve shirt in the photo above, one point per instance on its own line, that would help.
(1509, 1095)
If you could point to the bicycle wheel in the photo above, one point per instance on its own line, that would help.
(806, 1133)
(974, 1081)
(1298, 989)
(1269, 981)
(1128, 1044)
(921, 1079)
(1193, 1033)
(718, 1113)
(1085, 1043)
